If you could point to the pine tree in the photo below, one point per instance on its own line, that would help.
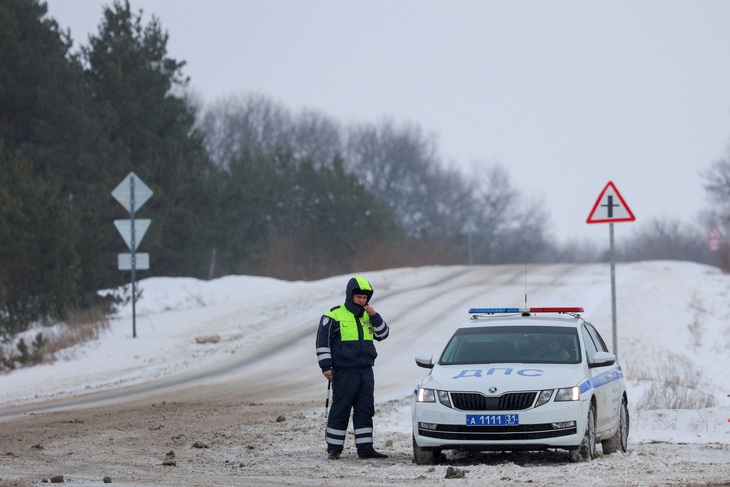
(40, 268)
(136, 89)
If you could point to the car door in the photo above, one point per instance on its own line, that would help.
(603, 378)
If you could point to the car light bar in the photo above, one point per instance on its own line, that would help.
(491, 311)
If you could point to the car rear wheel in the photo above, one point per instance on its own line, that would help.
(621, 439)
(587, 449)
(425, 457)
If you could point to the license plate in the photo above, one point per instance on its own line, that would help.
(492, 419)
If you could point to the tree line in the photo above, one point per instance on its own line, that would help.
(244, 186)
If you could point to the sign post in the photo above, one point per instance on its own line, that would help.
(469, 228)
(609, 208)
(132, 193)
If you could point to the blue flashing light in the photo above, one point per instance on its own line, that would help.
(491, 311)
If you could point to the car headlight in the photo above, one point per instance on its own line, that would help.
(426, 395)
(544, 397)
(444, 398)
(429, 395)
(568, 394)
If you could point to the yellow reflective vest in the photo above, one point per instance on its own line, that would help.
(344, 340)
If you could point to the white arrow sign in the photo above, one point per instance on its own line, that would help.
(125, 229)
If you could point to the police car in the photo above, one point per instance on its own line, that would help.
(521, 379)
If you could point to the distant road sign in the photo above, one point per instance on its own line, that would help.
(125, 229)
(610, 207)
(714, 239)
(142, 261)
(123, 192)
(469, 226)
(132, 193)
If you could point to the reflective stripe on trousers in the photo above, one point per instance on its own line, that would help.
(352, 390)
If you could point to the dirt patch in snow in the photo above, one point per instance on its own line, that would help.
(222, 436)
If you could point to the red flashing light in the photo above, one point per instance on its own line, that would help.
(575, 309)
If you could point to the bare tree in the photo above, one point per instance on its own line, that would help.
(718, 185)
(316, 137)
(718, 191)
(663, 239)
(578, 251)
(240, 125)
(510, 228)
(399, 164)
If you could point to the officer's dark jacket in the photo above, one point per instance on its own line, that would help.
(346, 333)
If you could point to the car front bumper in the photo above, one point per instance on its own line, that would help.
(552, 425)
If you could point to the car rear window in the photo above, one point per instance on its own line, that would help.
(512, 344)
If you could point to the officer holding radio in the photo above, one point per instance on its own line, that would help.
(346, 354)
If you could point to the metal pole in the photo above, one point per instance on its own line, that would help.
(612, 252)
(211, 271)
(471, 259)
(134, 260)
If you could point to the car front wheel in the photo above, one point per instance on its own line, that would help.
(587, 448)
(621, 439)
(425, 457)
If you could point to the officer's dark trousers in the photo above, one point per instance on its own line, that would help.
(352, 389)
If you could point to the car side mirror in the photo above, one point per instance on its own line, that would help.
(425, 360)
(602, 359)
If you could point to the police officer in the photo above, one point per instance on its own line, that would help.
(346, 355)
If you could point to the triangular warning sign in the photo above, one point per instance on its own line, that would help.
(610, 207)
(125, 229)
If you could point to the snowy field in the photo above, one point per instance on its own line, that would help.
(238, 354)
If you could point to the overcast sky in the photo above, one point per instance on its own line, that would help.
(566, 95)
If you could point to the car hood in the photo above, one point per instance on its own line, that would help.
(501, 378)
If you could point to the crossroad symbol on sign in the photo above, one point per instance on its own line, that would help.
(610, 207)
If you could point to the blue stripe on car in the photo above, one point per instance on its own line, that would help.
(601, 379)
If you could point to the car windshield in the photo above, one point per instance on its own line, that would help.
(513, 344)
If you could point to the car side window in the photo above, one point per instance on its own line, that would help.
(597, 339)
(589, 344)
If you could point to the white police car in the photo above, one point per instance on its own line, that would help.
(521, 379)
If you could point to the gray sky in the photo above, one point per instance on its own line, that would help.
(566, 95)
